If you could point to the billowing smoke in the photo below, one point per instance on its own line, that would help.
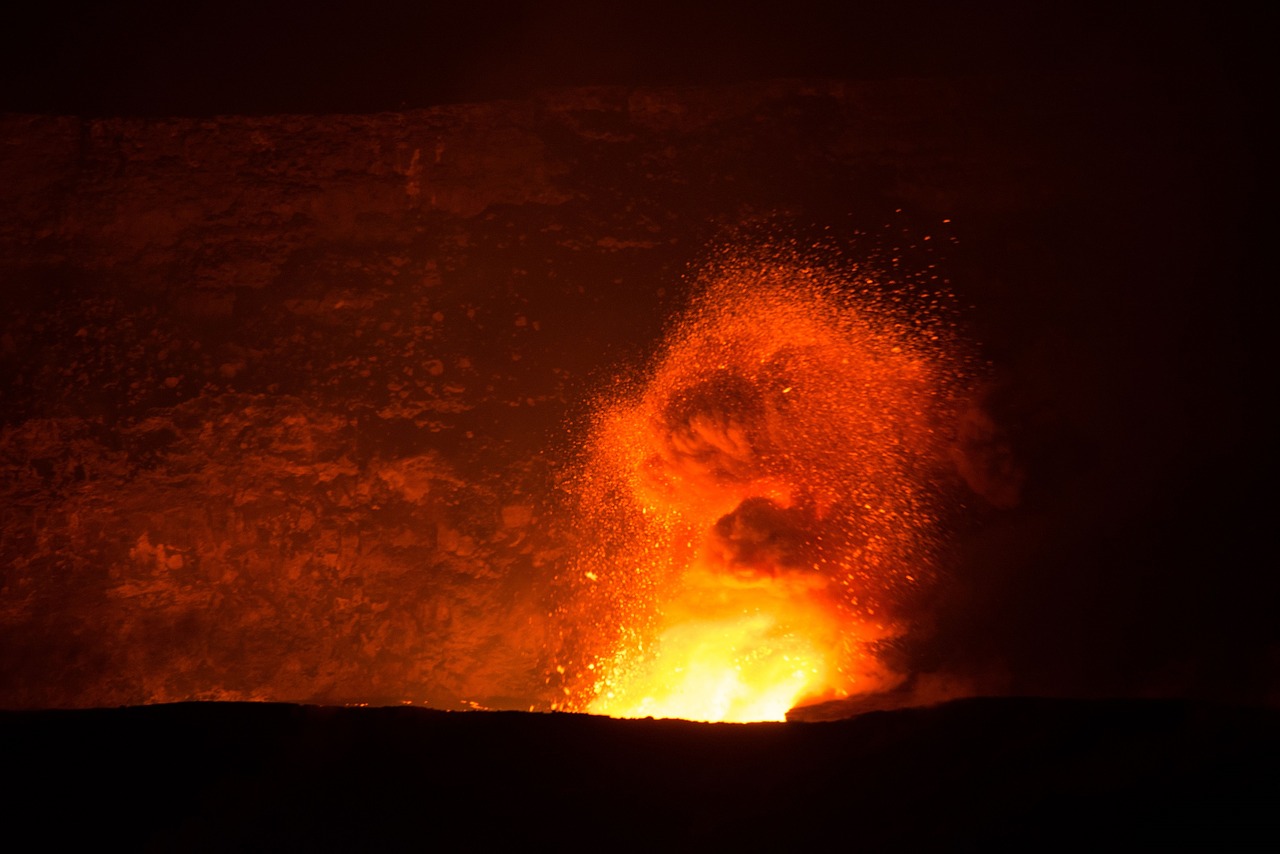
(766, 502)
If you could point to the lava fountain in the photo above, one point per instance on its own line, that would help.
(760, 508)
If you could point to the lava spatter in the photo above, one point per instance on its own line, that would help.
(760, 508)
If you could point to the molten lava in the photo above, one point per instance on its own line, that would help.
(760, 508)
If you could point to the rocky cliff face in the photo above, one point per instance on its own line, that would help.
(284, 398)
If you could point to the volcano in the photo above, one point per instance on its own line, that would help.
(311, 359)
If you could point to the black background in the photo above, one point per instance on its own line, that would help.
(206, 57)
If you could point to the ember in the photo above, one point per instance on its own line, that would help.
(762, 506)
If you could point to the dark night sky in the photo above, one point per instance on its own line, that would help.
(230, 56)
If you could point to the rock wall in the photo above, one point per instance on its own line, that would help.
(284, 398)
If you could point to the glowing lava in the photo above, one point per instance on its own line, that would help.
(759, 509)
(728, 651)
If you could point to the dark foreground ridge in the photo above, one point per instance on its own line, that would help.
(962, 775)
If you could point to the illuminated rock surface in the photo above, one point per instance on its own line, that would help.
(284, 398)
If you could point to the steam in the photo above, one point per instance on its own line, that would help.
(775, 483)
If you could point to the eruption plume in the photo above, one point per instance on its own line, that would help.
(761, 508)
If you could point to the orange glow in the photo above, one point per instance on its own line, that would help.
(760, 508)
(728, 650)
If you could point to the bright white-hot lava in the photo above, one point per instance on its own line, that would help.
(759, 509)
